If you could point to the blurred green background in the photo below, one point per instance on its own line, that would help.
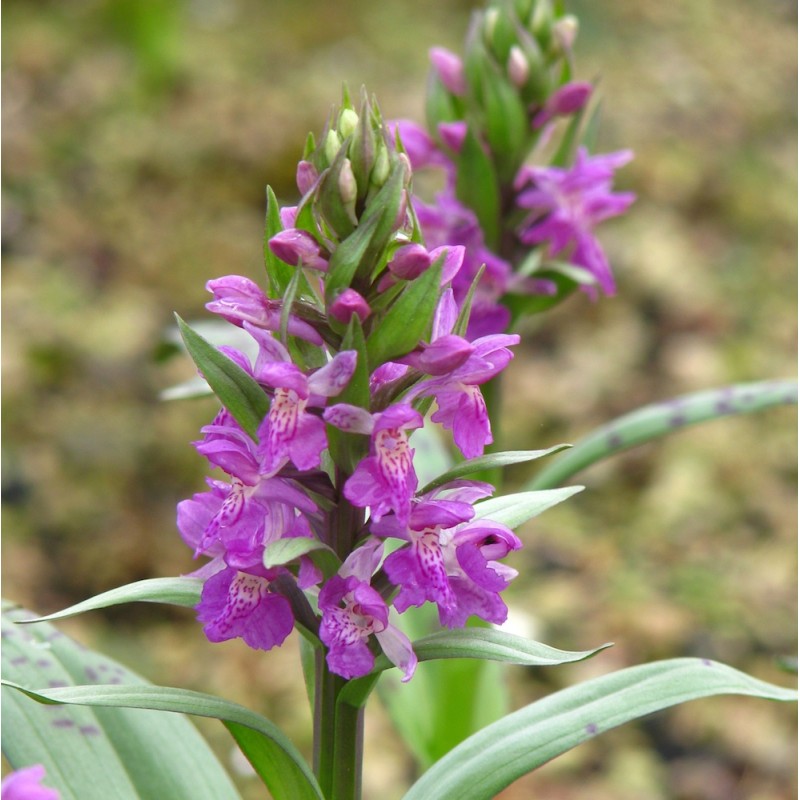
(138, 138)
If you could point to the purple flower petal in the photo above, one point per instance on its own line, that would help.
(236, 604)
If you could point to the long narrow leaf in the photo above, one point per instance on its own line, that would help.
(490, 760)
(172, 591)
(236, 390)
(659, 419)
(490, 461)
(487, 644)
(514, 509)
(101, 753)
(273, 756)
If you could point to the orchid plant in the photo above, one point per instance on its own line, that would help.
(382, 331)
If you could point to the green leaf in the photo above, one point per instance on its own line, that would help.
(477, 186)
(172, 591)
(445, 703)
(361, 248)
(490, 461)
(487, 644)
(514, 509)
(507, 123)
(408, 320)
(284, 551)
(523, 304)
(274, 757)
(496, 645)
(480, 767)
(97, 754)
(463, 690)
(659, 419)
(236, 390)
(279, 274)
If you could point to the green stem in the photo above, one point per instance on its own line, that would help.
(338, 737)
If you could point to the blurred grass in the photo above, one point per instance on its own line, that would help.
(138, 139)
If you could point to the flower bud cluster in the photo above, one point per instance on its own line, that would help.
(511, 99)
(357, 335)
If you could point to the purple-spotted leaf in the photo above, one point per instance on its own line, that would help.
(96, 754)
(658, 419)
(485, 763)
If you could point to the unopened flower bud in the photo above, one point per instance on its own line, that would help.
(407, 168)
(332, 145)
(306, 176)
(298, 247)
(348, 119)
(542, 19)
(490, 18)
(518, 67)
(450, 70)
(444, 355)
(349, 302)
(409, 261)
(565, 31)
(347, 183)
(453, 134)
(381, 169)
(568, 99)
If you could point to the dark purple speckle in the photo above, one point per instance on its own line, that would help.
(57, 684)
(707, 663)
(91, 673)
(18, 661)
(591, 729)
(614, 440)
(44, 663)
(89, 730)
(63, 723)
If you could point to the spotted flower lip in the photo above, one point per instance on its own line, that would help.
(385, 480)
(241, 604)
(352, 611)
(451, 559)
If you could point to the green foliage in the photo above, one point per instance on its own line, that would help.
(408, 319)
(96, 754)
(490, 461)
(279, 274)
(236, 390)
(515, 509)
(284, 551)
(173, 591)
(659, 419)
(489, 761)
